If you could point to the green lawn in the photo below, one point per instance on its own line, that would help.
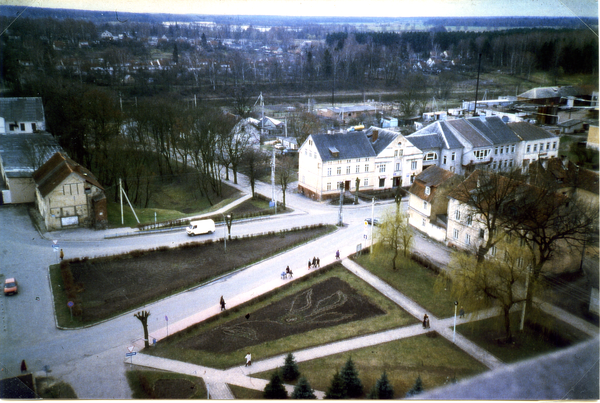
(413, 280)
(143, 384)
(394, 317)
(545, 334)
(245, 393)
(435, 359)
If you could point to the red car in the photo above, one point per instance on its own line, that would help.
(10, 286)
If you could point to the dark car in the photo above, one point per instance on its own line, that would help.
(375, 221)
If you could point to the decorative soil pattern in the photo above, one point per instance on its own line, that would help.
(328, 303)
(174, 389)
(113, 285)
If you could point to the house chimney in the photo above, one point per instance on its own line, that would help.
(375, 135)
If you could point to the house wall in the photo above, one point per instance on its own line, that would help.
(21, 127)
(70, 199)
(592, 140)
(459, 233)
(22, 190)
(529, 151)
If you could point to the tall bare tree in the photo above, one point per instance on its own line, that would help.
(393, 235)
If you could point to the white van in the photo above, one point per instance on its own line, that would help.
(200, 227)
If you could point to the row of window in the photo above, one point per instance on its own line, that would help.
(365, 183)
(502, 149)
(498, 164)
(541, 147)
(380, 167)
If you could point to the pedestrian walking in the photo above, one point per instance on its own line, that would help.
(62, 254)
(318, 262)
(222, 302)
(283, 275)
(314, 262)
(248, 358)
(289, 272)
(461, 313)
(425, 321)
(337, 255)
(23, 367)
(309, 264)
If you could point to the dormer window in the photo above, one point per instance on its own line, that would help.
(427, 190)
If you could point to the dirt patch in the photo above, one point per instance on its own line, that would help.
(328, 303)
(113, 285)
(174, 389)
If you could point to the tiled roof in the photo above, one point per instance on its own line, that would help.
(527, 132)
(349, 145)
(56, 170)
(469, 132)
(494, 129)
(22, 109)
(23, 153)
(558, 175)
(431, 177)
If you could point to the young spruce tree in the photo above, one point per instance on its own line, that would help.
(290, 370)
(275, 389)
(349, 374)
(303, 390)
(384, 387)
(337, 389)
(416, 389)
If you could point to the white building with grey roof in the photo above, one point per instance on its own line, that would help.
(381, 159)
(21, 115)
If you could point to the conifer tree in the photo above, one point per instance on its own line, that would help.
(275, 389)
(384, 388)
(349, 374)
(416, 389)
(303, 390)
(290, 370)
(337, 389)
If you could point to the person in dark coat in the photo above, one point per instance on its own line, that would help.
(337, 254)
(318, 262)
(425, 321)
(314, 262)
(62, 254)
(309, 264)
(461, 313)
(222, 302)
(23, 367)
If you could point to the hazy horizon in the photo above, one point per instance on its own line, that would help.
(335, 8)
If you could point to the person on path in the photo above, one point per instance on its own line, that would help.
(222, 302)
(425, 321)
(337, 255)
(461, 313)
(314, 262)
(62, 254)
(248, 358)
(289, 272)
(309, 264)
(23, 367)
(283, 275)
(318, 262)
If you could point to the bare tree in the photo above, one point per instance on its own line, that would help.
(254, 164)
(393, 234)
(143, 317)
(285, 173)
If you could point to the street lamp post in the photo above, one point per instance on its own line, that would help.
(228, 219)
(454, 331)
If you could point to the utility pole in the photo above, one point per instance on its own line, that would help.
(340, 216)
(477, 86)
(372, 222)
(273, 182)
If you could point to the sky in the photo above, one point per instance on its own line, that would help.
(347, 8)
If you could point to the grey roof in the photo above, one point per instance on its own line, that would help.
(22, 109)
(384, 138)
(349, 145)
(526, 131)
(22, 154)
(437, 135)
(569, 123)
(434, 175)
(469, 132)
(494, 129)
(352, 108)
(551, 92)
(567, 374)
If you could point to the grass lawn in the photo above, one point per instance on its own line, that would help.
(413, 280)
(547, 334)
(147, 384)
(394, 317)
(435, 359)
(245, 393)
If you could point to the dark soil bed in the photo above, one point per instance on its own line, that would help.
(118, 284)
(173, 389)
(328, 303)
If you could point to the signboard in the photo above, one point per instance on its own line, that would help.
(55, 248)
(67, 221)
(70, 304)
(130, 348)
(130, 354)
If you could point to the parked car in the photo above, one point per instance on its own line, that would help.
(200, 227)
(279, 146)
(290, 151)
(10, 286)
(375, 221)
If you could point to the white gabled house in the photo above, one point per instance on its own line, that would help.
(380, 159)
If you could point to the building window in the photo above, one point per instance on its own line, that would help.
(395, 153)
(445, 159)
(413, 165)
(493, 251)
(453, 156)
(496, 150)
(427, 190)
(423, 222)
(424, 205)
(519, 262)
(382, 168)
(348, 170)
(366, 159)
(535, 148)
(455, 233)
(348, 161)
(494, 165)
(430, 156)
(366, 167)
(468, 239)
(366, 181)
(339, 170)
(481, 154)
(469, 220)
(401, 153)
(328, 185)
(457, 215)
(310, 142)
(358, 169)
(510, 162)
(505, 163)
(554, 145)
(481, 233)
(541, 146)
(381, 182)
(547, 146)
(528, 148)
(328, 171)
(512, 148)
